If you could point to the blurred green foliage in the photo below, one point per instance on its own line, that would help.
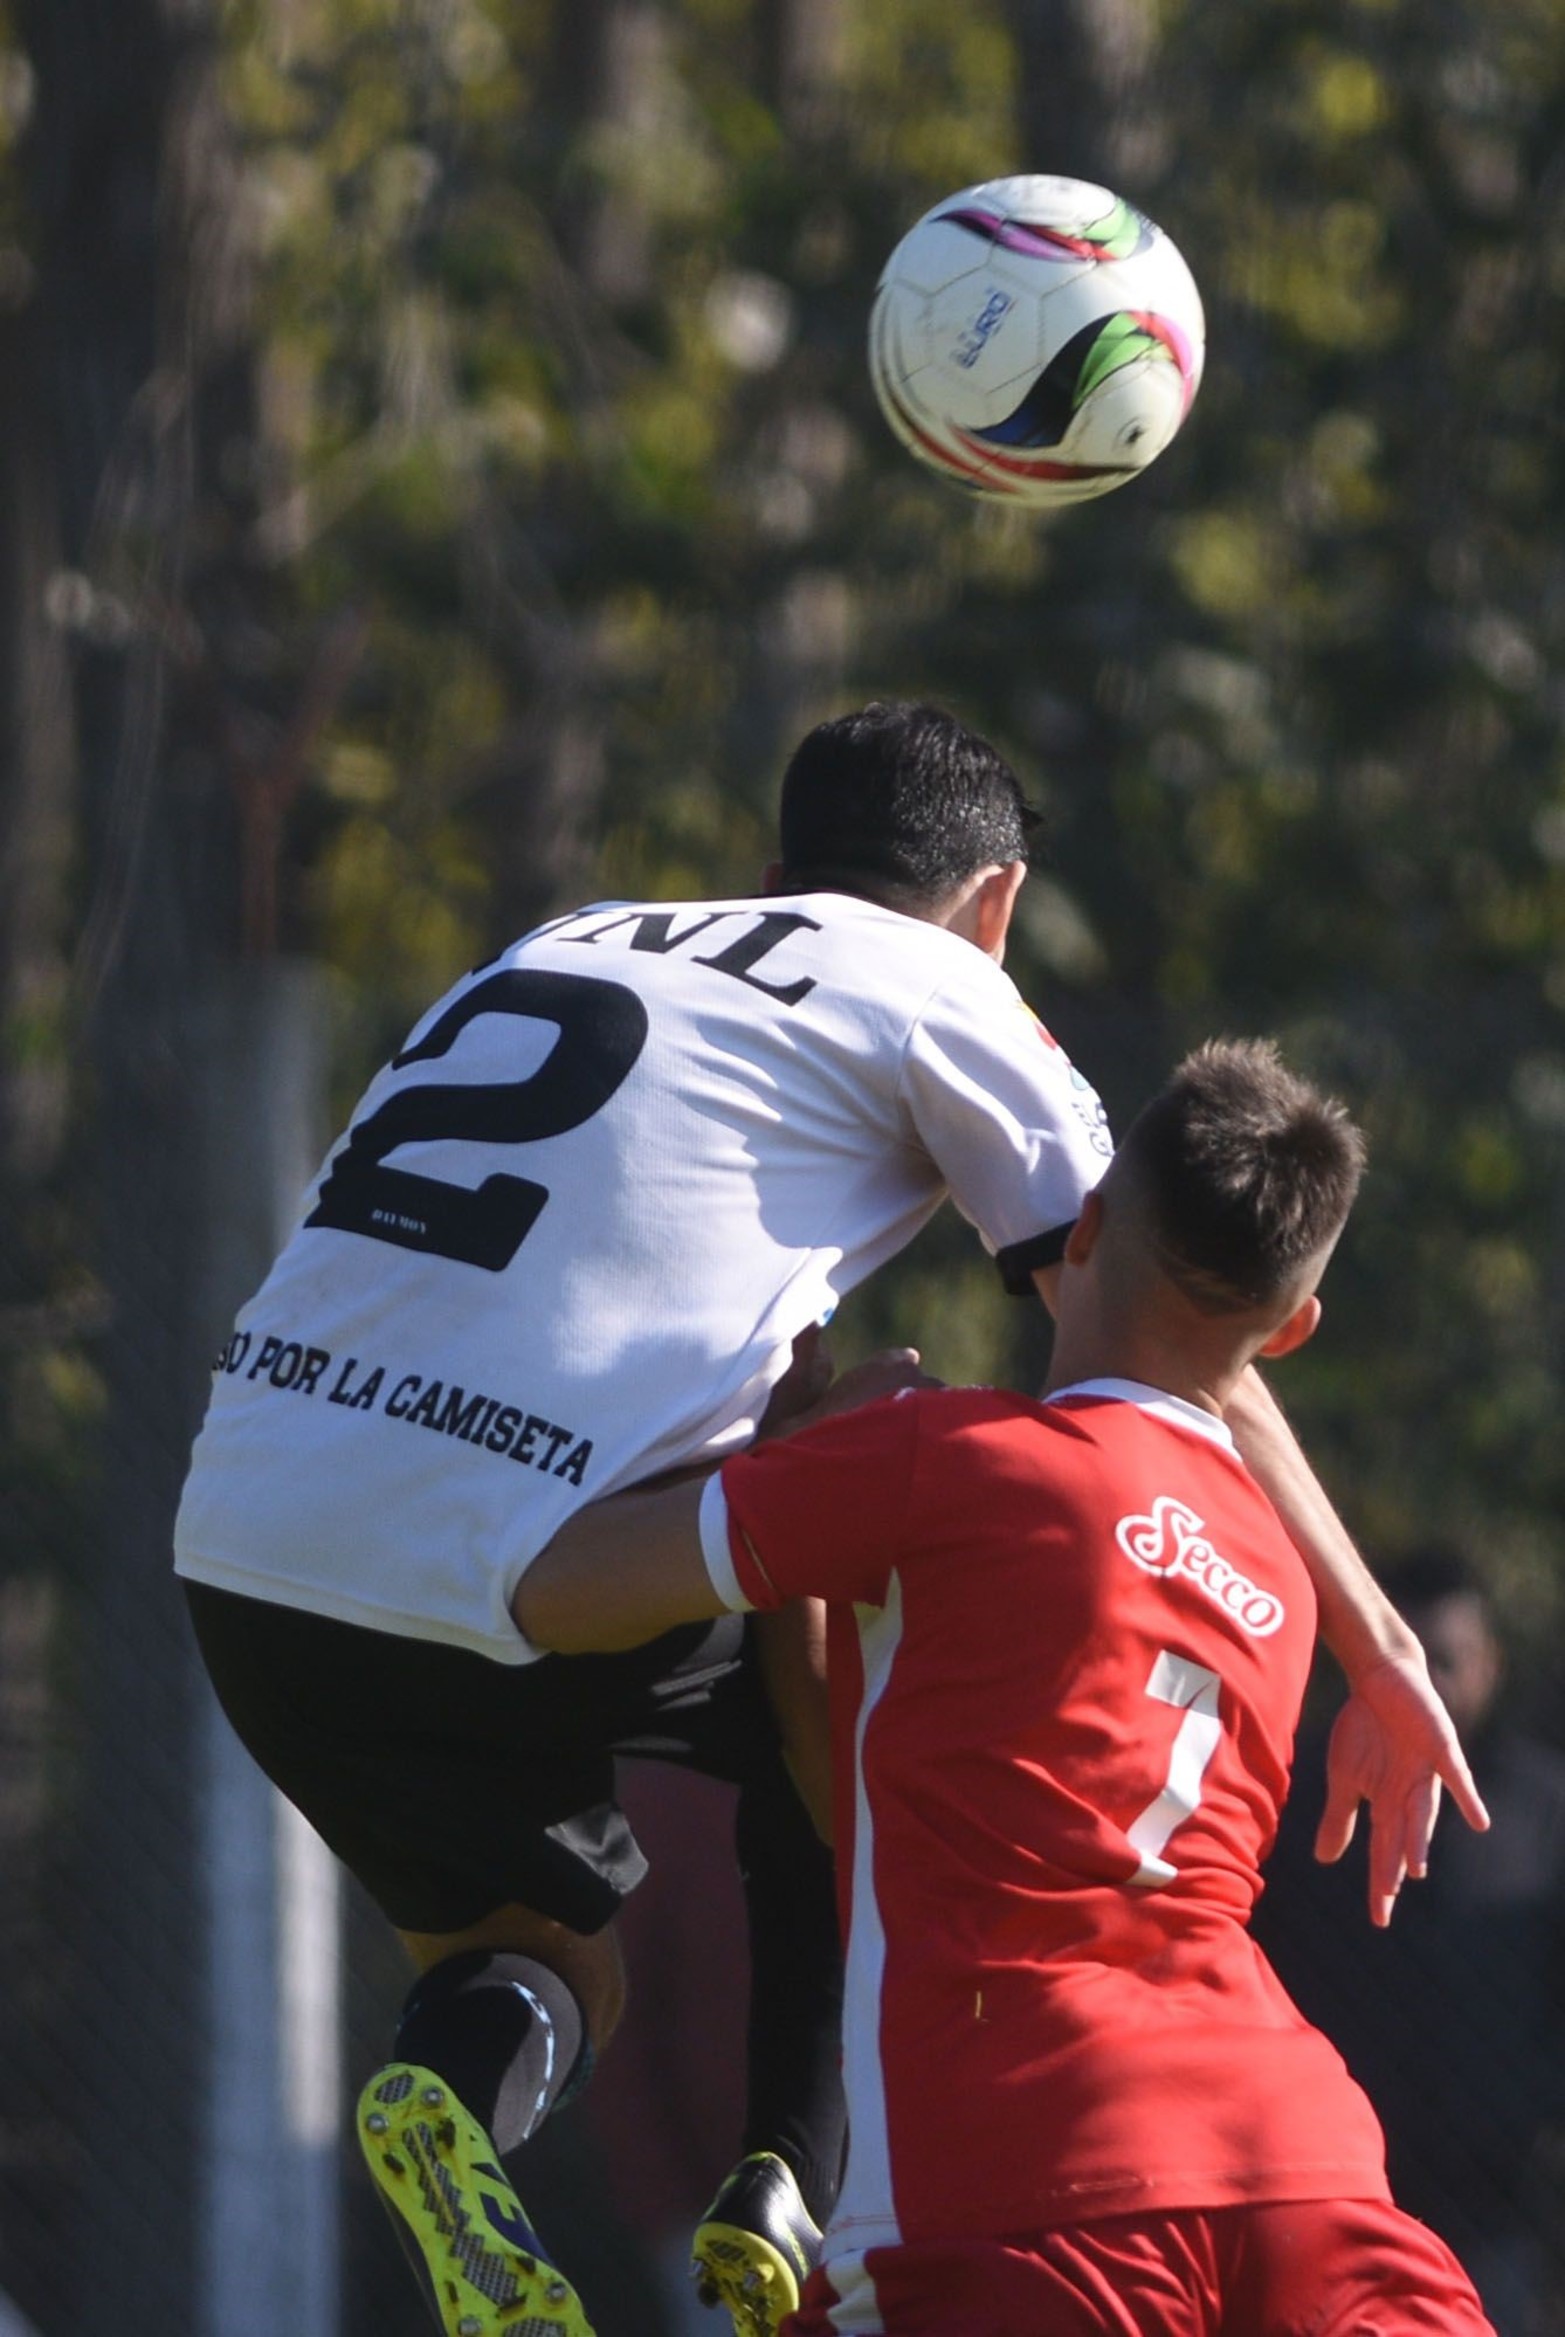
(439, 481)
(560, 334)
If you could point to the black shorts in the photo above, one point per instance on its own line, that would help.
(451, 1785)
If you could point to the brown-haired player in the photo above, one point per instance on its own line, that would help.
(1069, 1643)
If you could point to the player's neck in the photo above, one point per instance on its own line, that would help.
(1080, 1356)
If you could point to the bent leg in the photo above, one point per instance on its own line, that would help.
(589, 1963)
(474, 1802)
(760, 2238)
(705, 1707)
(498, 2030)
(795, 2104)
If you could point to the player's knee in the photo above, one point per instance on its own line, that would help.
(593, 1969)
(589, 1963)
(508, 2032)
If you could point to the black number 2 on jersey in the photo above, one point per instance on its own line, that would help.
(603, 1028)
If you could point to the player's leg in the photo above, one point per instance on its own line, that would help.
(501, 2026)
(760, 2236)
(692, 1698)
(474, 1801)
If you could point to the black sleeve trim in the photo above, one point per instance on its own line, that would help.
(1019, 1261)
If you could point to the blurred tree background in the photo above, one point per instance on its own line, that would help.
(440, 481)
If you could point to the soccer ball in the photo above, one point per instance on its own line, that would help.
(1036, 340)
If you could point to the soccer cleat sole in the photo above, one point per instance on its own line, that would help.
(737, 2268)
(433, 2165)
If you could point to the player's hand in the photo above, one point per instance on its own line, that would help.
(884, 1374)
(802, 1385)
(1393, 1746)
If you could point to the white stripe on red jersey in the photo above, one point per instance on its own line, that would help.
(1068, 1647)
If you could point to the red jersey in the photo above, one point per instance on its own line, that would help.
(1069, 1643)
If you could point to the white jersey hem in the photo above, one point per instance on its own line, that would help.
(308, 1599)
(855, 2235)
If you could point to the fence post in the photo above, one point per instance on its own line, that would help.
(268, 2209)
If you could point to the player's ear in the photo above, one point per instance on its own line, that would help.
(1299, 1326)
(993, 904)
(1082, 1239)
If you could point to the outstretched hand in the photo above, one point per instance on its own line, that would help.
(1394, 1746)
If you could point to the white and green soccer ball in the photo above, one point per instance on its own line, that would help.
(1037, 340)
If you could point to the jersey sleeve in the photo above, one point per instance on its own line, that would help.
(817, 1515)
(1016, 1131)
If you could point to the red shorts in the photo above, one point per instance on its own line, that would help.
(1315, 2268)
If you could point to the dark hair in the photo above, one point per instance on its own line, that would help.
(898, 799)
(1245, 1173)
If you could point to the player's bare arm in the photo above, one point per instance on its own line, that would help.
(618, 1573)
(627, 1569)
(1393, 1745)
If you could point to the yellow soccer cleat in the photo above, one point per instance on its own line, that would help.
(463, 2227)
(756, 2246)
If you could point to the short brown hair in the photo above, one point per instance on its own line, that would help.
(1245, 1173)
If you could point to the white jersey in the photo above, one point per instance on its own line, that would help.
(577, 1223)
